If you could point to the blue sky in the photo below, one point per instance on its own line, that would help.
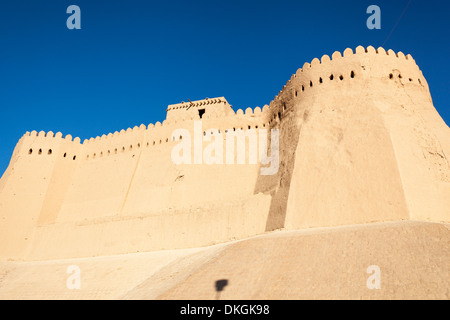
(133, 58)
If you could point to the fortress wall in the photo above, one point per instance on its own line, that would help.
(360, 141)
(345, 140)
(143, 190)
(26, 182)
(100, 183)
(175, 229)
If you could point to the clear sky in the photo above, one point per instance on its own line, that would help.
(133, 58)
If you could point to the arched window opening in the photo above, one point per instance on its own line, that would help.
(40, 151)
(65, 155)
(30, 151)
(400, 76)
(341, 77)
(310, 84)
(74, 157)
(279, 115)
(352, 74)
(50, 151)
(320, 80)
(303, 88)
(331, 77)
(391, 76)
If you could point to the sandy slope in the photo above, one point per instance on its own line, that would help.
(322, 263)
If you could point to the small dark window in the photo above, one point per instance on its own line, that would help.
(74, 157)
(109, 152)
(295, 92)
(154, 142)
(303, 88)
(331, 77)
(167, 140)
(310, 84)
(391, 76)
(50, 151)
(123, 149)
(201, 112)
(341, 77)
(115, 151)
(352, 74)
(40, 151)
(139, 145)
(131, 147)
(279, 115)
(400, 76)
(410, 80)
(249, 127)
(65, 155)
(30, 151)
(320, 80)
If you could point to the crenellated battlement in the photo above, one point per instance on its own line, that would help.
(352, 65)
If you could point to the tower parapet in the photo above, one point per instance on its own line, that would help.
(208, 108)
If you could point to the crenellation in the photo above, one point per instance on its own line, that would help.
(348, 52)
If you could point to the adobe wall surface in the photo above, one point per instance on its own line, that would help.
(360, 141)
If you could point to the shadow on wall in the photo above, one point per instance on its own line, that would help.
(220, 285)
(279, 185)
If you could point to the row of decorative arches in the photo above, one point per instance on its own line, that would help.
(49, 152)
